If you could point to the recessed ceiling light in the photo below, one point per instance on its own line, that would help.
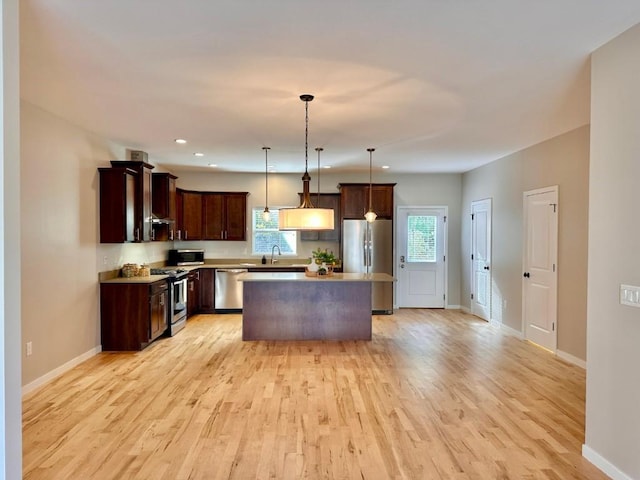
(199, 154)
(327, 166)
(212, 165)
(181, 141)
(385, 166)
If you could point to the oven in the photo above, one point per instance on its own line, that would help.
(178, 312)
(178, 294)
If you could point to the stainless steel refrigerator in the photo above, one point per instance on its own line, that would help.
(368, 248)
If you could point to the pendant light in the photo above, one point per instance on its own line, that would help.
(306, 216)
(370, 216)
(266, 214)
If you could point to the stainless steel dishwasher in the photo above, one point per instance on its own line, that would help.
(228, 290)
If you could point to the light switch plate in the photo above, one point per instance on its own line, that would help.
(630, 295)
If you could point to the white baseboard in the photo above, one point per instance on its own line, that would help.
(453, 307)
(571, 359)
(56, 372)
(465, 309)
(510, 331)
(603, 464)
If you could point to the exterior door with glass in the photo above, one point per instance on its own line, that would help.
(421, 257)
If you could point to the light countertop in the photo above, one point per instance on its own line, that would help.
(294, 276)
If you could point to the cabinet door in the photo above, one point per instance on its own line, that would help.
(382, 201)
(235, 216)
(191, 216)
(158, 301)
(354, 201)
(193, 293)
(213, 216)
(117, 205)
(327, 200)
(207, 290)
(145, 221)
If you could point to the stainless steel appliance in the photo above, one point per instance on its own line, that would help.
(228, 290)
(368, 248)
(178, 293)
(186, 257)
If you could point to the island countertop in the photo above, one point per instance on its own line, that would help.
(295, 276)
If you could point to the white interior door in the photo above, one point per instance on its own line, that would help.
(481, 258)
(421, 257)
(540, 276)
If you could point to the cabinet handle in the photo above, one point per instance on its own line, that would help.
(153, 234)
(162, 300)
(191, 287)
(137, 234)
(179, 234)
(171, 234)
(186, 235)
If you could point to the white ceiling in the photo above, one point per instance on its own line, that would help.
(433, 85)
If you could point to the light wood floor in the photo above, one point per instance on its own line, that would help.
(436, 395)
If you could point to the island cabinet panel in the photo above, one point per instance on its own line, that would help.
(354, 200)
(143, 226)
(306, 310)
(117, 205)
(163, 206)
(224, 215)
(132, 315)
(191, 227)
(193, 292)
(207, 290)
(326, 200)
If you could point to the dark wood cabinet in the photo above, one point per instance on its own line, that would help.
(193, 292)
(117, 205)
(163, 206)
(326, 200)
(190, 227)
(354, 200)
(132, 315)
(224, 215)
(207, 290)
(143, 230)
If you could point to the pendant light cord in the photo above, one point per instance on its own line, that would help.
(319, 149)
(370, 150)
(266, 181)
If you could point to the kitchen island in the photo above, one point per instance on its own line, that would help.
(292, 306)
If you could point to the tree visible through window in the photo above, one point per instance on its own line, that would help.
(266, 234)
(421, 238)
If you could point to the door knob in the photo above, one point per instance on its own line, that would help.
(526, 275)
(402, 258)
(402, 266)
(486, 268)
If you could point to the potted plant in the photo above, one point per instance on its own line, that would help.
(325, 259)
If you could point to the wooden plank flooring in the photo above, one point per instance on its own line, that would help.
(436, 395)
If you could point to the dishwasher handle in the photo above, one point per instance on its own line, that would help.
(232, 270)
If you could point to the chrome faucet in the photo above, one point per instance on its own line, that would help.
(279, 253)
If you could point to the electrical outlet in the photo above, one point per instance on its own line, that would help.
(630, 295)
(29, 348)
(105, 260)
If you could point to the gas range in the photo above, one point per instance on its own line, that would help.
(172, 272)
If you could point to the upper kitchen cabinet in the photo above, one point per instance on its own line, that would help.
(117, 205)
(354, 200)
(326, 200)
(163, 206)
(189, 216)
(142, 211)
(224, 215)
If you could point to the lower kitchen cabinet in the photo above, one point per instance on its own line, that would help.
(193, 292)
(132, 315)
(207, 290)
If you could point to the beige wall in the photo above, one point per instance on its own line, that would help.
(60, 251)
(613, 343)
(562, 161)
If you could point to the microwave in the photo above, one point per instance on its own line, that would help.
(186, 257)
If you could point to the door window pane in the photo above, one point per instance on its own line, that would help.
(421, 238)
